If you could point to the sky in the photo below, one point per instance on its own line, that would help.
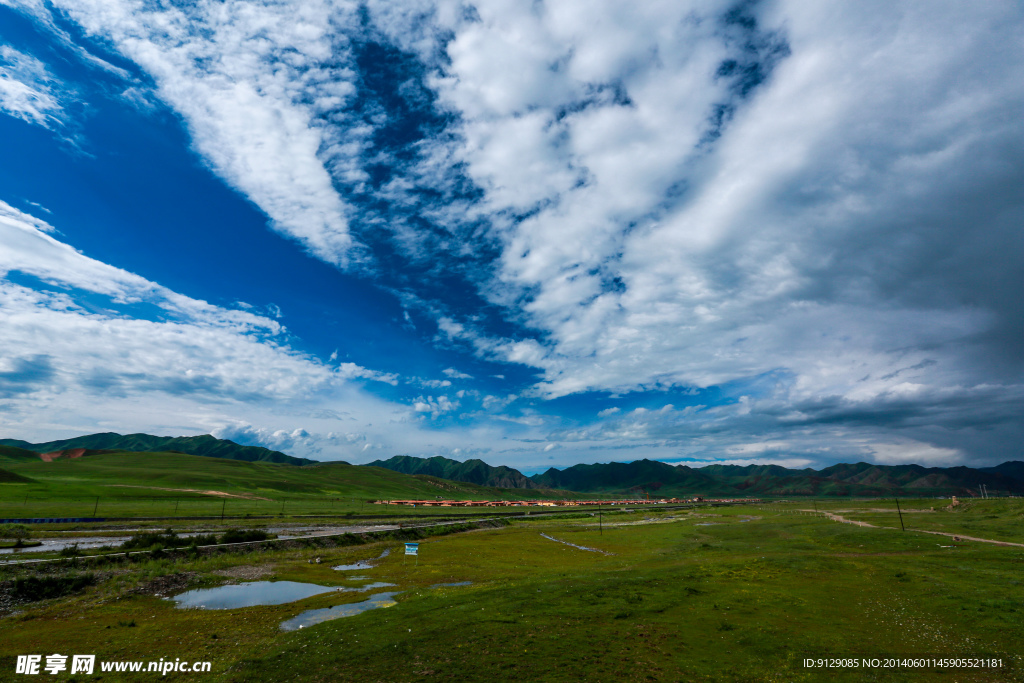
(536, 233)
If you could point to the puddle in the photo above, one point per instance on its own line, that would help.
(318, 616)
(367, 587)
(448, 585)
(53, 545)
(249, 594)
(708, 524)
(362, 564)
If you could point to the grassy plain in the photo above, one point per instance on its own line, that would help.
(737, 594)
(177, 485)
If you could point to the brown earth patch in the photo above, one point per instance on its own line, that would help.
(68, 453)
(247, 572)
(222, 494)
(164, 585)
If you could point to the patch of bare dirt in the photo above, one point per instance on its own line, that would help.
(222, 494)
(70, 453)
(167, 585)
(247, 572)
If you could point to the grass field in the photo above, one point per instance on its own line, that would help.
(177, 485)
(737, 594)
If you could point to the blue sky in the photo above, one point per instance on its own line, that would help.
(538, 234)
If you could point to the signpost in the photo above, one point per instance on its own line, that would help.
(413, 549)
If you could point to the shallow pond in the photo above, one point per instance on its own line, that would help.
(249, 594)
(367, 587)
(318, 616)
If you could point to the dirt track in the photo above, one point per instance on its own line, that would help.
(840, 518)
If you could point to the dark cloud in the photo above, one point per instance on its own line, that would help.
(27, 374)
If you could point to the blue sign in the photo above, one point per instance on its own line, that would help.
(412, 549)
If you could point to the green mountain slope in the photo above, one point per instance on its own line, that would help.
(154, 473)
(471, 471)
(204, 445)
(15, 454)
(642, 475)
(1013, 469)
(859, 479)
(12, 478)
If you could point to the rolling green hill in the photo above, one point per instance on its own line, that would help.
(151, 484)
(656, 478)
(471, 471)
(204, 445)
(15, 454)
(1013, 469)
(12, 478)
(859, 479)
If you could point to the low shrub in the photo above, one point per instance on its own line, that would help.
(33, 588)
(243, 535)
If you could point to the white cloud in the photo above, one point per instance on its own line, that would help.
(28, 91)
(434, 406)
(251, 81)
(455, 374)
(63, 340)
(840, 230)
(791, 463)
(907, 452)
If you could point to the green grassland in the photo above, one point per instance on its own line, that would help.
(130, 484)
(1000, 519)
(734, 594)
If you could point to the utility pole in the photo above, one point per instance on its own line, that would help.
(900, 513)
(600, 521)
(176, 500)
(223, 505)
(96, 506)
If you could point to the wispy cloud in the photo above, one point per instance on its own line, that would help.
(28, 91)
(816, 207)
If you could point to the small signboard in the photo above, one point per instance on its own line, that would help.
(412, 549)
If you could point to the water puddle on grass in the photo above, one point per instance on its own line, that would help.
(52, 545)
(450, 585)
(318, 616)
(362, 564)
(368, 587)
(249, 594)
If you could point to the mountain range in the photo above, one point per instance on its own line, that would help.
(640, 477)
(664, 480)
(470, 471)
(205, 444)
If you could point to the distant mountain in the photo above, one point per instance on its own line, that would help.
(1013, 469)
(471, 471)
(205, 445)
(860, 479)
(642, 475)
